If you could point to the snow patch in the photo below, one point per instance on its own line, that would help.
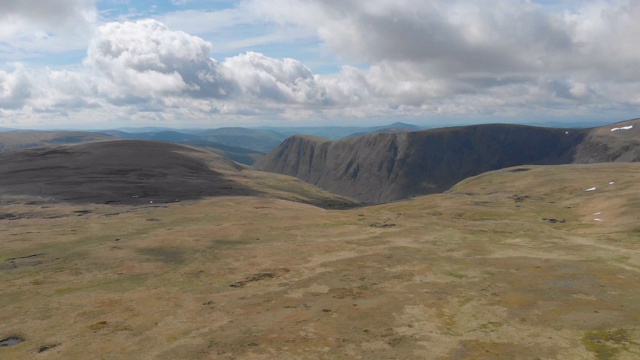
(623, 128)
(597, 213)
(611, 182)
(591, 189)
(597, 219)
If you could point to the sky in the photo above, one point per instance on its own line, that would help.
(91, 64)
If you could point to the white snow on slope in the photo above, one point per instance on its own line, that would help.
(623, 128)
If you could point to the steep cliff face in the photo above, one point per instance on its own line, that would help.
(618, 142)
(378, 168)
(384, 167)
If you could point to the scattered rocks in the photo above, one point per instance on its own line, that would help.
(98, 326)
(256, 277)
(12, 263)
(481, 203)
(23, 257)
(381, 225)
(519, 198)
(554, 221)
(7, 265)
(300, 306)
(47, 347)
(10, 216)
(348, 293)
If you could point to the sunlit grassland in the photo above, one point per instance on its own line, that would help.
(505, 265)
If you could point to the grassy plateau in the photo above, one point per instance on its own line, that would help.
(520, 263)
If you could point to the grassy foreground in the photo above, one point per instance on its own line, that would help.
(507, 265)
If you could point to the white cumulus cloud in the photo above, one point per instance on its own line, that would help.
(280, 80)
(421, 52)
(389, 59)
(146, 59)
(15, 88)
(44, 25)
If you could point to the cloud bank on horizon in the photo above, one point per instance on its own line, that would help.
(261, 62)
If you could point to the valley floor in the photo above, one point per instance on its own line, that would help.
(508, 265)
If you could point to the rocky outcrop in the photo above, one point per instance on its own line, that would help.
(383, 167)
(618, 142)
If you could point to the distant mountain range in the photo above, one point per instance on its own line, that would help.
(243, 145)
(242, 155)
(19, 140)
(385, 163)
(383, 167)
(340, 132)
(254, 139)
(258, 139)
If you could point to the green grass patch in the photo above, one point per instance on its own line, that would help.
(170, 255)
(456, 275)
(232, 242)
(606, 344)
(491, 325)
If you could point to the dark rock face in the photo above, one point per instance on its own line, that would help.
(603, 145)
(378, 168)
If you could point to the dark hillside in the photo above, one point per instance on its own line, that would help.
(120, 171)
(382, 167)
(143, 172)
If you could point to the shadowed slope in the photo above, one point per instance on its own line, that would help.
(619, 142)
(378, 168)
(137, 172)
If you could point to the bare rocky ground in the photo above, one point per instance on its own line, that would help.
(508, 265)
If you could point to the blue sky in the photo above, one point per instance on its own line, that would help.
(191, 63)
